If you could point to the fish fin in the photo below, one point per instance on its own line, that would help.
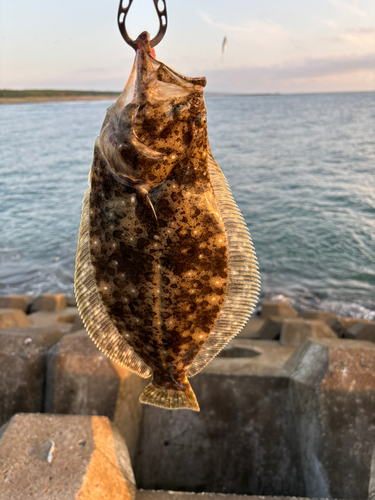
(169, 399)
(244, 281)
(91, 308)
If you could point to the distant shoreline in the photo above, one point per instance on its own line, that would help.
(36, 96)
(30, 100)
(41, 96)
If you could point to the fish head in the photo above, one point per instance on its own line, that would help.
(158, 120)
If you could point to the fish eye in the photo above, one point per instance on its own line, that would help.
(178, 108)
(201, 120)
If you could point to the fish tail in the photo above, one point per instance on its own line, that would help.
(170, 399)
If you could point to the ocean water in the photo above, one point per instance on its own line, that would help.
(301, 168)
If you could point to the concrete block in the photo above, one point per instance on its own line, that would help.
(178, 495)
(371, 486)
(242, 441)
(71, 301)
(77, 324)
(277, 309)
(321, 315)
(67, 318)
(340, 324)
(49, 302)
(251, 329)
(16, 302)
(62, 320)
(81, 380)
(295, 331)
(271, 328)
(10, 318)
(361, 331)
(23, 359)
(333, 389)
(64, 457)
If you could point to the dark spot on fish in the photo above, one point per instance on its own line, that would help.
(142, 243)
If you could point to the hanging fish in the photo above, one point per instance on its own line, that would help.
(166, 273)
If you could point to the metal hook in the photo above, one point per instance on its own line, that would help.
(162, 14)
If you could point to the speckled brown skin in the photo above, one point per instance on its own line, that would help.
(157, 241)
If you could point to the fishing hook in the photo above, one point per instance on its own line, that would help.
(162, 14)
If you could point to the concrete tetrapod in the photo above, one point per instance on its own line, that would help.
(361, 331)
(281, 309)
(64, 457)
(23, 360)
(16, 302)
(333, 390)
(81, 380)
(49, 302)
(371, 487)
(178, 495)
(295, 331)
(243, 441)
(11, 318)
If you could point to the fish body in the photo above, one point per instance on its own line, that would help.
(166, 273)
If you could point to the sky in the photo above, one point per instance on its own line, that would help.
(286, 46)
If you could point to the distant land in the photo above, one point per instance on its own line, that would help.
(22, 96)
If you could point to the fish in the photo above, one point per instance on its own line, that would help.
(166, 272)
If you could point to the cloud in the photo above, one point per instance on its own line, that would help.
(264, 29)
(353, 9)
(276, 76)
(360, 31)
(362, 37)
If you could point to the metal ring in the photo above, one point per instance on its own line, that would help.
(163, 20)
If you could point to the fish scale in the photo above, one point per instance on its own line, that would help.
(166, 273)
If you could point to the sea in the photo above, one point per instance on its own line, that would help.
(301, 169)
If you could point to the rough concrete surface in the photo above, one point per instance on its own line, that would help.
(296, 330)
(64, 457)
(23, 359)
(10, 318)
(277, 309)
(81, 380)
(243, 440)
(333, 390)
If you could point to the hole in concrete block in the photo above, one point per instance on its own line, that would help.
(238, 352)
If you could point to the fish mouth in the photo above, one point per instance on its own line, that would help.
(146, 63)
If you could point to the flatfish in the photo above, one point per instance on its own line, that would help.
(166, 272)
